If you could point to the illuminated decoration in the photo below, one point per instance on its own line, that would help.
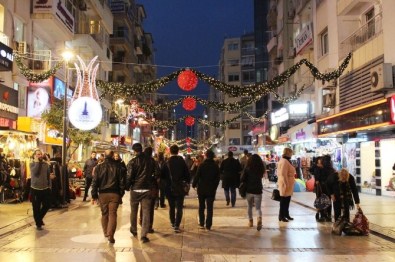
(187, 80)
(189, 150)
(85, 112)
(188, 140)
(28, 73)
(290, 99)
(256, 119)
(218, 123)
(160, 107)
(189, 103)
(392, 109)
(189, 121)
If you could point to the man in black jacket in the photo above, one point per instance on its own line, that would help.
(230, 171)
(141, 171)
(88, 168)
(108, 186)
(206, 181)
(176, 174)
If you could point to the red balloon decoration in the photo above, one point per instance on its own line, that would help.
(189, 150)
(188, 140)
(187, 80)
(189, 121)
(189, 103)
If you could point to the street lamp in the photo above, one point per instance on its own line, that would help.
(119, 102)
(67, 56)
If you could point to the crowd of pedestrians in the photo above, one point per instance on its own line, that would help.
(151, 180)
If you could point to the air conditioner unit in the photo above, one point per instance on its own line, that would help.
(328, 100)
(21, 47)
(381, 77)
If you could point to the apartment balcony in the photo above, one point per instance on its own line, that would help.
(120, 64)
(101, 9)
(353, 7)
(123, 38)
(272, 43)
(362, 36)
(87, 43)
(57, 21)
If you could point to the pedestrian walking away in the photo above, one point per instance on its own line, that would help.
(252, 177)
(88, 171)
(206, 181)
(40, 188)
(140, 172)
(108, 186)
(230, 174)
(176, 174)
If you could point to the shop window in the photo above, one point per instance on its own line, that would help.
(247, 140)
(19, 30)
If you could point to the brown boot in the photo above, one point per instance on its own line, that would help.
(250, 223)
(259, 224)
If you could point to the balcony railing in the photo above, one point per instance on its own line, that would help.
(365, 33)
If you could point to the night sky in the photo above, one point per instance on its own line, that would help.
(191, 34)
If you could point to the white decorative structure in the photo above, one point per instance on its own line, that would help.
(85, 112)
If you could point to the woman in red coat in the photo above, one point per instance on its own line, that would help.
(286, 180)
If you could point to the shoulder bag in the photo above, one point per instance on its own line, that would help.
(323, 201)
(276, 195)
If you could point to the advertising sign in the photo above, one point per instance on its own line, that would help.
(85, 113)
(8, 103)
(39, 97)
(304, 38)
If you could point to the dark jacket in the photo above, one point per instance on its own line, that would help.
(230, 172)
(88, 167)
(108, 178)
(207, 178)
(334, 186)
(176, 175)
(141, 173)
(253, 181)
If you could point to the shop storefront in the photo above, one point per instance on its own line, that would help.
(367, 136)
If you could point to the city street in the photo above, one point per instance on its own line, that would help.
(75, 234)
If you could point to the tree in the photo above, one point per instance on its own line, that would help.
(54, 118)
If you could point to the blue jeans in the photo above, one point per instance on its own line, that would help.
(257, 199)
(203, 201)
(232, 197)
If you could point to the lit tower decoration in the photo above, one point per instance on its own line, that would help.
(187, 80)
(85, 112)
(189, 103)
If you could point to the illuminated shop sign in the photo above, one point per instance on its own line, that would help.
(279, 116)
(6, 58)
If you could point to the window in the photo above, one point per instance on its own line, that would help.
(247, 61)
(233, 46)
(233, 62)
(19, 30)
(2, 14)
(324, 43)
(370, 21)
(233, 78)
(234, 126)
(234, 141)
(246, 127)
(247, 140)
(249, 76)
(249, 46)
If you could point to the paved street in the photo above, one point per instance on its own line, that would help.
(74, 234)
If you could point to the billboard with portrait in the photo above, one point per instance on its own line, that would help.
(58, 89)
(39, 97)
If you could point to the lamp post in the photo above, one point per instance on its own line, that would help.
(119, 102)
(67, 55)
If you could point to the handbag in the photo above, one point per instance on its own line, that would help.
(361, 223)
(276, 195)
(323, 201)
(338, 226)
(243, 189)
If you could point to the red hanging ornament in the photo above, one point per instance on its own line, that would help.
(189, 121)
(188, 140)
(189, 103)
(189, 150)
(187, 80)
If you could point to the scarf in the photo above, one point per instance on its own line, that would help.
(346, 195)
(288, 158)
